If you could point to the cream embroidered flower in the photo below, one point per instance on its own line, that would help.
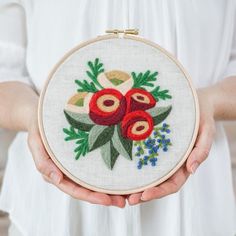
(116, 79)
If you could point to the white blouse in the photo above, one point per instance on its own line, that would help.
(202, 35)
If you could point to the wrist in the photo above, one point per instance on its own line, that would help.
(31, 121)
(208, 101)
(216, 97)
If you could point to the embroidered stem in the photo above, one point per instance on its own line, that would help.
(81, 138)
(160, 94)
(144, 79)
(85, 86)
(95, 69)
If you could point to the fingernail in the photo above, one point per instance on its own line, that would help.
(55, 178)
(142, 199)
(194, 167)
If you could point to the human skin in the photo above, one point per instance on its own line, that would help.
(217, 102)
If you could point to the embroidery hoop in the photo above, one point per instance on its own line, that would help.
(95, 188)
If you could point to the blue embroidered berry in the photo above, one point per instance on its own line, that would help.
(140, 164)
(149, 145)
(165, 149)
(153, 161)
(164, 142)
(155, 149)
(150, 151)
(149, 148)
(153, 164)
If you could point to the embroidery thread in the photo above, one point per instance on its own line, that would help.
(115, 112)
(148, 150)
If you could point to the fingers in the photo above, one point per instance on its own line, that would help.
(197, 156)
(118, 201)
(84, 194)
(43, 162)
(134, 199)
(78, 192)
(202, 147)
(170, 186)
(52, 174)
(81, 193)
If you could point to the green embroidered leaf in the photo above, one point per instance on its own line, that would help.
(79, 121)
(160, 94)
(144, 80)
(99, 135)
(123, 146)
(159, 113)
(85, 86)
(82, 141)
(109, 154)
(96, 68)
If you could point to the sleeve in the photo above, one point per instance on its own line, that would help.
(231, 67)
(12, 59)
(13, 42)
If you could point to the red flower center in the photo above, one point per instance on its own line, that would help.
(108, 103)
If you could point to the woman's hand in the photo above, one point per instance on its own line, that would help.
(52, 174)
(23, 117)
(199, 153)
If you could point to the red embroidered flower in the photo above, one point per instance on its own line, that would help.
(107, 107)
(137, 125)
(139, 99)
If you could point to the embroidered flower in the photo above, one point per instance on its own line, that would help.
(79, 103)
(137, 125)
(107, 107)
(139, 99)
(116, 112)
(116, 79)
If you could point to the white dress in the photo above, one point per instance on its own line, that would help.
(201, 33)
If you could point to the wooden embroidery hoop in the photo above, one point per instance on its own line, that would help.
(128, 35)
